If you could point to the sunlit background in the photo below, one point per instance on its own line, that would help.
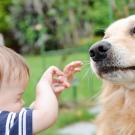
(55, 32)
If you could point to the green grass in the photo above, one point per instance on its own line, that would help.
(87, 88)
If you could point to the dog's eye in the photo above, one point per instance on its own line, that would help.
(133, 31)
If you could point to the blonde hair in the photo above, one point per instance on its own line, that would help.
(13, 69)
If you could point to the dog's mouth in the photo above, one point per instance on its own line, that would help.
(109, 69)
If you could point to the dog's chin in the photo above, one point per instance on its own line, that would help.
(118, 75)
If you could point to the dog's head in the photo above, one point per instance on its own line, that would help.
(113, 58)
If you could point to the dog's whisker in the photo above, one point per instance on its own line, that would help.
(86, 66)
(86, 61)
(89, 80)
(85, 74)
(91, 87)
(94, 97)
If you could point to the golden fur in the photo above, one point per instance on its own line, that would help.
(118, 96)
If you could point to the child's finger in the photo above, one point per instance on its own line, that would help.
(71, 72)
(76, 63)
(56, 71)
(57, 81)
(77, 70)
(59, 89)
(53, 71)
(73, 65)
(61, 82)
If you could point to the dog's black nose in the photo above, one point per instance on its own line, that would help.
(98, 52)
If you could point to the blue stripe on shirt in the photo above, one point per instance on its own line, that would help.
(13, 120)
(29, 122)
(14, 129)
(3, 120)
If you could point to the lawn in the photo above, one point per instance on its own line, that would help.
(87, 87)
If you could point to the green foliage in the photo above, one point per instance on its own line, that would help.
(62, 22)
(74, 116)
(99, 14)
(54, 24)
(27, 27)
(4, 14)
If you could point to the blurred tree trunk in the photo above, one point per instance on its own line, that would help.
(114, 7)
(2, 40)
(126, 8)
(113, 4)
(118, 12)
(72, 20)
(132, 6)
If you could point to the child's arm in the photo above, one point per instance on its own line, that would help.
(53, 82)
(45, 107)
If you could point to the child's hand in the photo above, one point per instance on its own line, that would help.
(59, 80)
(71, 69)
(47, 77)
(62, 82)
(51, 73)
(50, 77)
(55, 79)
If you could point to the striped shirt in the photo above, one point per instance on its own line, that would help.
(19, 123)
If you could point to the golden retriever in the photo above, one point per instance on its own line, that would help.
(113, 60)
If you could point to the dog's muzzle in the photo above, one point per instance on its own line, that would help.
(98, 52)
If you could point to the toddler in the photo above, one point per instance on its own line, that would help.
(14, 76)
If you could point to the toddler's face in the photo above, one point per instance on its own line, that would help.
(14, 76)
(11, 97)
